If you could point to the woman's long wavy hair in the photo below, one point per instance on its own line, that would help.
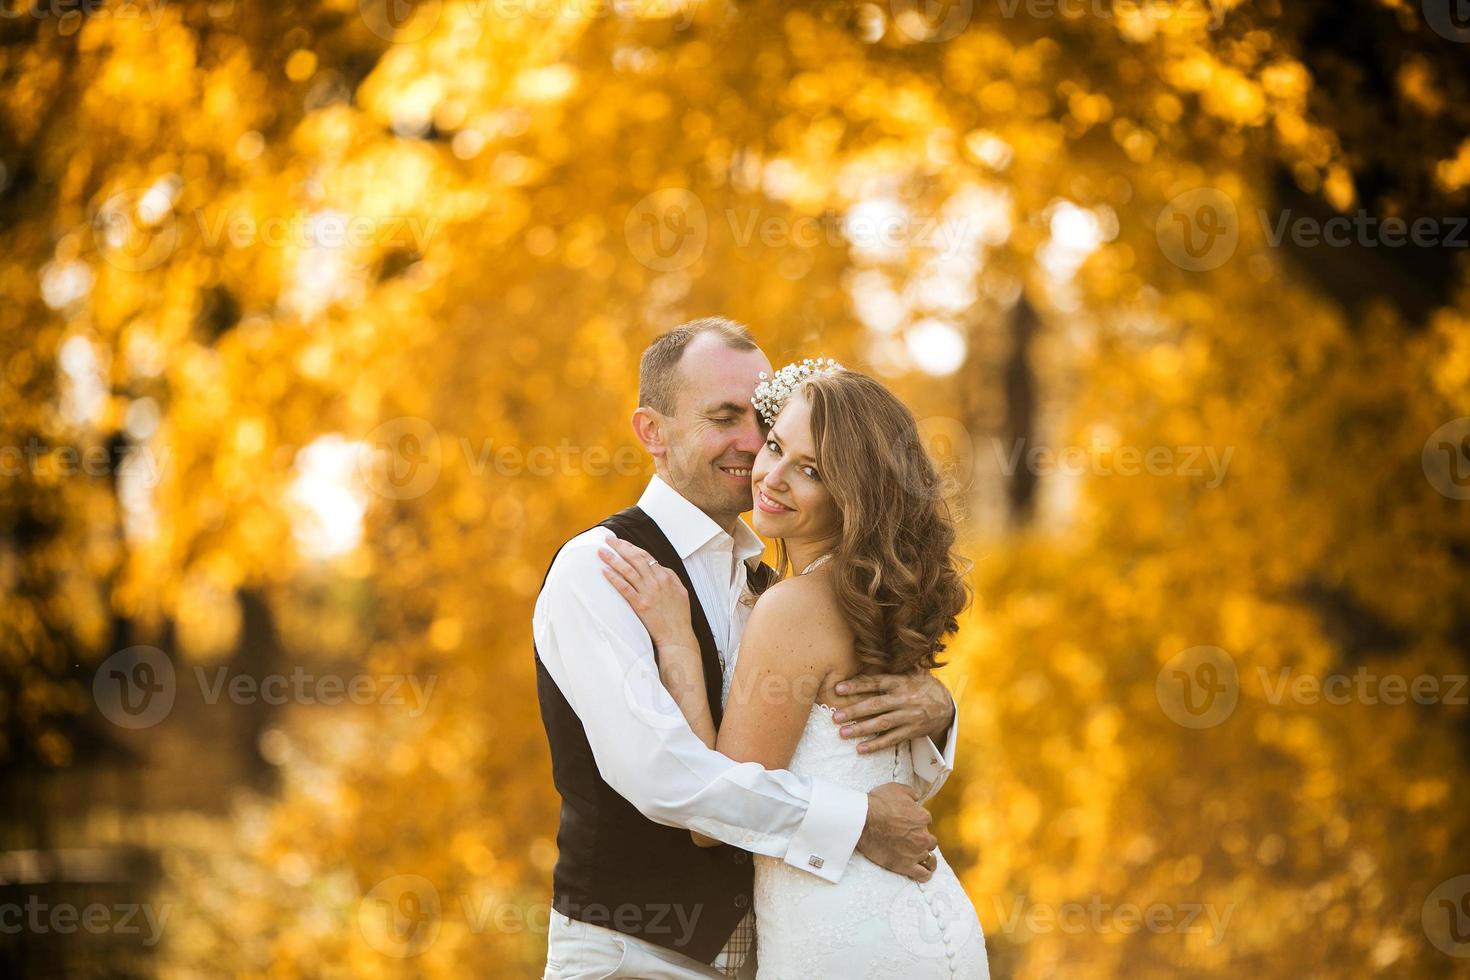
(899, 582)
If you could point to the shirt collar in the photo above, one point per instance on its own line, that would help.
(688, 528)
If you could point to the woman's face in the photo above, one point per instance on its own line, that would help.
(791, 501)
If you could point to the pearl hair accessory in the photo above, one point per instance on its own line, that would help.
(770, 395)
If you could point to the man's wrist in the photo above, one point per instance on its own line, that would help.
(947, 719)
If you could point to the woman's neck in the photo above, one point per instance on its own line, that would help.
(804, 551)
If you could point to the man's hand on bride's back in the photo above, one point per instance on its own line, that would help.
(896, 835)
(894, 709)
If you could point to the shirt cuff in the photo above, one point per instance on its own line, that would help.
(829, 833)
(932, 767)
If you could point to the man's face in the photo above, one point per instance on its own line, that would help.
(715, 432)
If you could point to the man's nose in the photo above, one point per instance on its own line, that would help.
(750, 439)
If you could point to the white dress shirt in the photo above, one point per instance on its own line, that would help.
(601, 657)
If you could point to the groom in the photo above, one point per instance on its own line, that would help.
(633, 896)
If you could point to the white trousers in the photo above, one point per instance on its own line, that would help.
(582, 951)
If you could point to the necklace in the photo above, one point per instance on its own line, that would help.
(824, 558)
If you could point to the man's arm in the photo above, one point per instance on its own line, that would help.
(775, 686)
(601, 659)
(787, 653)
(914, 707)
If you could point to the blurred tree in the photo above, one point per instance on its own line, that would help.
(364, 300)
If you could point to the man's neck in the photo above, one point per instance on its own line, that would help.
(727, 522)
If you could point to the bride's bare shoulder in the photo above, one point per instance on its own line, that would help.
(802, 606)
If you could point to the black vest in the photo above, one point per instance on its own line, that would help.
(615, 867)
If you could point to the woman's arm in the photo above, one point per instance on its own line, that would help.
(662, 604)
(791, 645)
(681, 668)
(788, 649)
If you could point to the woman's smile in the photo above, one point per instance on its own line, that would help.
(770, 506)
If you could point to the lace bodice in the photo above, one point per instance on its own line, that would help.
(872, 922)
(823, 753)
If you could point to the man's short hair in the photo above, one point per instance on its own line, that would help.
(658, 369)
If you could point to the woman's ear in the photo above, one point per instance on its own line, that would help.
(648, 429)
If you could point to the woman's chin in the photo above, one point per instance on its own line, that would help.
(766, 525)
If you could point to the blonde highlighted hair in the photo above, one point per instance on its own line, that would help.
(899, 582)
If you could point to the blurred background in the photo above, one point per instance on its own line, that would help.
(319, 335)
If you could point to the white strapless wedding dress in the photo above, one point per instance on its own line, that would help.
(872, 923)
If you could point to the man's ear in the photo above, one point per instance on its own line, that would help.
(648, 428)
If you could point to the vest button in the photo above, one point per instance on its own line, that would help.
(741, 901)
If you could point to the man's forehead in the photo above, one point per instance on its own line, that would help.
(713, 377)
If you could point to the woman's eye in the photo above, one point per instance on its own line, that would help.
(811, 473)
(771, 445)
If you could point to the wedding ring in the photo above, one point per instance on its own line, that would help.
(652, 562)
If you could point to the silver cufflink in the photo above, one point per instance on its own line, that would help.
(814, 861)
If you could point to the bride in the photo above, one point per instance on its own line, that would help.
(844, 484)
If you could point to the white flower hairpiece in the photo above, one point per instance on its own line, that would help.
(770, 395)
